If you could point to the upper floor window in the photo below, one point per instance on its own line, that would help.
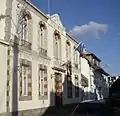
(24, 28)
(26, 25)
(57, 45)
(42, 38)
(68, 50)
(42, 35)
(75, 58)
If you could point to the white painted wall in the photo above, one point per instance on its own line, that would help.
(3, 77)
(85, 70)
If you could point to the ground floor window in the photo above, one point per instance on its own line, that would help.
(25, 80)
(43, 81)
(76, 86)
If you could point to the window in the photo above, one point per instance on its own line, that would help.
(69, 86)
(75, 59)
(25, 24)
(43, 83)
(24, 28)
(68, 50)
(42, 39)
(57, 45)
(76, 86)
(25, 80)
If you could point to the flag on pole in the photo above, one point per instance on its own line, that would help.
(81, 48)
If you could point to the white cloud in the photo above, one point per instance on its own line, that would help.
(90, 29)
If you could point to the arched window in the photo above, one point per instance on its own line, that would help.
(68, 50)
(25, 28)
(75, 55)
(42, 38)
(57, 45)
(42, 35)
(26, 25)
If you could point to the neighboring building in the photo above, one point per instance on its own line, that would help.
(39, 64)
(98, 78)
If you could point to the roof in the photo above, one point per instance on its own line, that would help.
(47, 16)
(93, 55)
(102, 71)
(36, 9)
(72, 37)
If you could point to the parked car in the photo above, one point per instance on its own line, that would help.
(91, 108)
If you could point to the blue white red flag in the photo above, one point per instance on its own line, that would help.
(81, 48)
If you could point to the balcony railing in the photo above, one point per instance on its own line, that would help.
(76, 65)
(42, 51)
(26, 44)
(57, 61)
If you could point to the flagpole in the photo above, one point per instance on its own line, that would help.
(48, 7)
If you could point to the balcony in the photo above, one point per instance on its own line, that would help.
(58, 64)
(26, 44)
(42, 52)
(76, 65)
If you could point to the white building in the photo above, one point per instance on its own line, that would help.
(39, 64)
(98, 78)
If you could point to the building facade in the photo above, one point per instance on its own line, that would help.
(98, 78)
(40, 67)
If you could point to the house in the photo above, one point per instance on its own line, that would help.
(39, 64)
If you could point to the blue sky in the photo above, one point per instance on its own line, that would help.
(94, 22)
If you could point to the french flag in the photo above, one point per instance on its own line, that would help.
(81, 48)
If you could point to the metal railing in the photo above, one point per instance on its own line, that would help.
(42, 51)
(26, 44)
(76, 65)
(57, 61)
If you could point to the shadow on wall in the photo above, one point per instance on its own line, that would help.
(15, 78)
(101, 85)
(57, 108)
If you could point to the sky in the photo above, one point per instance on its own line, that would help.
(94, 22)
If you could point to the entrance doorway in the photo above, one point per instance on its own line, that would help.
(58, 89)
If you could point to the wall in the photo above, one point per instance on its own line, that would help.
(2, 21)
(3, 77)
(32, 56)
(85, 70)
(36, 59)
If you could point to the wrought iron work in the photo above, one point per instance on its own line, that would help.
(26, 44)
(42, 51)
(76, 65)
